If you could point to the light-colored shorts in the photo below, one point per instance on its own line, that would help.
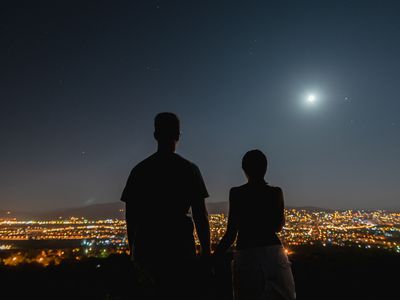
(263, 273)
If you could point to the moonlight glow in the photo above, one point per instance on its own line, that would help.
(311, 98)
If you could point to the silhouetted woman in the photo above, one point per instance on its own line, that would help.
(261, 269)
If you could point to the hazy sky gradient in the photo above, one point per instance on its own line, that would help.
(80, 83)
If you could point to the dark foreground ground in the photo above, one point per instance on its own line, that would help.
(320, 273)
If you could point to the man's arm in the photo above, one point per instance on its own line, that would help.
(200, 217)
(130, 226)
(128, 196)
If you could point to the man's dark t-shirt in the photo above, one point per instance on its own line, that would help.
(159, 193)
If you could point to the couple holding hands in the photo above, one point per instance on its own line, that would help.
(160, 193)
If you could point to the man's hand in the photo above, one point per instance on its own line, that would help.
(132, 253)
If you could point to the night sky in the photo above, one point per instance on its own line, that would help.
(81, 81)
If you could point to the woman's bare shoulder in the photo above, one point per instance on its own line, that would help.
(236, 189)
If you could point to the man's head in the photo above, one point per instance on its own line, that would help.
(254, 164)
(166, 129)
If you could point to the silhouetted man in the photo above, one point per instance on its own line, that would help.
(159, 194)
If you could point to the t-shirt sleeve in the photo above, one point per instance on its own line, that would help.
(131, 187)
(199, 187)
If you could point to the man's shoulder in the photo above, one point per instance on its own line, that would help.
(185, 162)
(155, 160)
(145, 163)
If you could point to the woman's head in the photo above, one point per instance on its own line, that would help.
(254, 164)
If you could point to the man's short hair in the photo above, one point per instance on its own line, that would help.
(166, 126)
(254, 164)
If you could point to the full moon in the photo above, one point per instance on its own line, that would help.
(311, 98)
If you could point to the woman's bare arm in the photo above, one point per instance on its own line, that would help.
(281, 207)
(232, 228)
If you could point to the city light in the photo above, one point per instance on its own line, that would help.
(100, 238)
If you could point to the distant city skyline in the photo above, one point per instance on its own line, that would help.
(312, 84)
(369, 230)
